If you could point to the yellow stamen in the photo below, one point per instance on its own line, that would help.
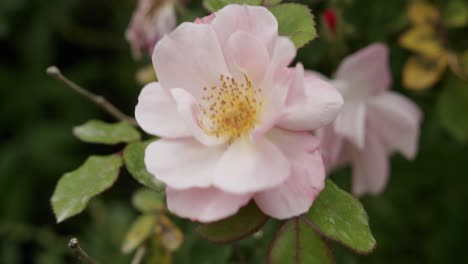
(231, 108)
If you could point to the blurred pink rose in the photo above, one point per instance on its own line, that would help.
(151, 20)
(233, 118)
(374, 121)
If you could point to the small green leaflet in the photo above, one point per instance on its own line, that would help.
(140, 230)
(341, 217)
(297, 242)
(134, 157)
(96, 131)
(76, 188)
(295, 21)
(247, 221)
(147, 200)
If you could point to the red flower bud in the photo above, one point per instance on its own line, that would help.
(329, 16)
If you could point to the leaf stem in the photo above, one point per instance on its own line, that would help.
(97, 99)
(74, 245)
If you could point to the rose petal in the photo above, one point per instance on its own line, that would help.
(370, 166)
(396, 119)
(331, 146)
(246, 55)
(312, 103)
(251, 166)
(204, 204)
(156, 113)
(189, 58)
(296, 195)
(366, 71)
(190, 112)
(182, 163)
(351, 123)
(256, 20)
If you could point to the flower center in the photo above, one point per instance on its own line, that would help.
(231, 108)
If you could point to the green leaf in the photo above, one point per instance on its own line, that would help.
(215, 5)
(140, 230)
(452, 107)
(341, 217)
(134, 158)
(76, 188)
(271, 2)
(247, 221)
(96, 131)
(295, 21)
(147, 200)
(297, 242)
(455, 13)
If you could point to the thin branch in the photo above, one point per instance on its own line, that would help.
(74, 245)
(139, 255)
(97, 99)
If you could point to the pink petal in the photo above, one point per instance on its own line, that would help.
(246, 55)
(370, 166)
(249, 166)
(189, 58)
(278, 76)
(312, 103)
(182, 163)
(190, 112)
(296, 195)
(283, 54)
(351, 123)
(256, 20)
(366, 70)
(156, 113)
(276, 85)
(397, 121)
(204, 204)
(331, 146)
(206, 19)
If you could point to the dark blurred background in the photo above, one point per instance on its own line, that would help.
(420, 218)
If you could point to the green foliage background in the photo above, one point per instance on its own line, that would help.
(420, 218)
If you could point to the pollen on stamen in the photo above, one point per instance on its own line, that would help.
(231, 107)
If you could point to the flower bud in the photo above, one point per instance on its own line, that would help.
(151, 20)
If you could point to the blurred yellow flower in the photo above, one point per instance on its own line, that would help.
(426, 38)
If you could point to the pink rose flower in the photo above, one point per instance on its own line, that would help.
(233, 118)
(374, 121)
(151, 20)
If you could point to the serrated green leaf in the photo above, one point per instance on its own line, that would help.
(76, 188)
(341, 217)
(297, 242)
(455, 13)
(295, 21)
(215, 5)
(147, 200)
(96, 131)
(140, 230)
(134, 158)
(248, 220)
(452, 107)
